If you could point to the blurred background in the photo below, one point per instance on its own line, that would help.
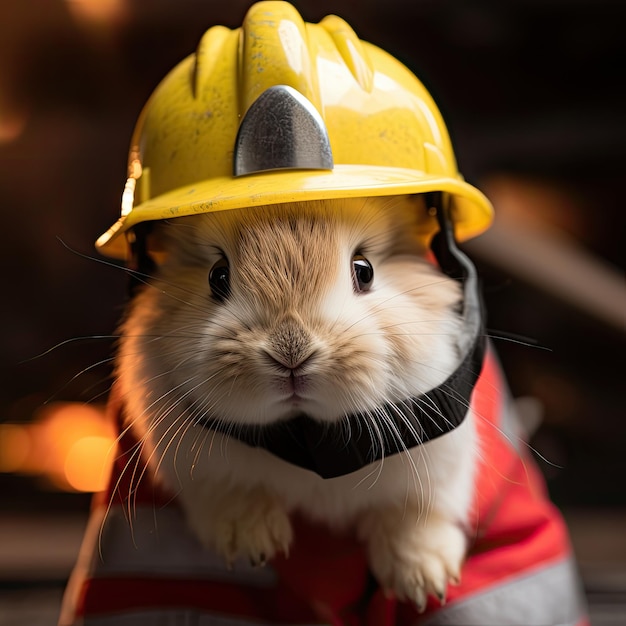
(533, 95)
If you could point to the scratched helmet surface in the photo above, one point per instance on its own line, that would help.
(281, 110)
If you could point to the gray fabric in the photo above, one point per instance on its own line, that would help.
(550, 596)
(158, 542)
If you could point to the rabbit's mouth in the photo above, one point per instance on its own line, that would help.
(343, 447)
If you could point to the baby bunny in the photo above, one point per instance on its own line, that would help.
(301, 375)
(324, 309)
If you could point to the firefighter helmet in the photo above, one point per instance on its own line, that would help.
(281, 110)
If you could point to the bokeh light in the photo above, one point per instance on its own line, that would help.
(69, 444)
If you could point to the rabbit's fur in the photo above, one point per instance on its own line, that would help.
(295, 335)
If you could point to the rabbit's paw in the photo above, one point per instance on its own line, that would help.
(413, 560)
(250, 524)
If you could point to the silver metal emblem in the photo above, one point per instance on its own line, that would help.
(281, 130)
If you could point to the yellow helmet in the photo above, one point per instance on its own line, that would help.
(281, 110)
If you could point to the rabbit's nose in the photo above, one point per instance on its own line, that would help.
(290, 344)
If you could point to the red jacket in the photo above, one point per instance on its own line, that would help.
(142, 566)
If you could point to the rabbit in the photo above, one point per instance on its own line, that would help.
(324, 308)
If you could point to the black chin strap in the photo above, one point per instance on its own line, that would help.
(140, 263)
(332, 450)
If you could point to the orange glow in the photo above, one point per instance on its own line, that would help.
(69, 443)
(12, 124)
(87, 463)
(98, 11)
(15, 446)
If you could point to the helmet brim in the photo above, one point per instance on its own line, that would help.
(472, 212)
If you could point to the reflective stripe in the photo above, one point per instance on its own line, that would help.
(176, 618)
(157, 542)
(550, 596)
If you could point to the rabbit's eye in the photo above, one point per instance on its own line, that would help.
(219, 280)
(362, 273)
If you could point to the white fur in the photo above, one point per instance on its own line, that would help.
(183, 356)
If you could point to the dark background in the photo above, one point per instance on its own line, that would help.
(532, 92)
